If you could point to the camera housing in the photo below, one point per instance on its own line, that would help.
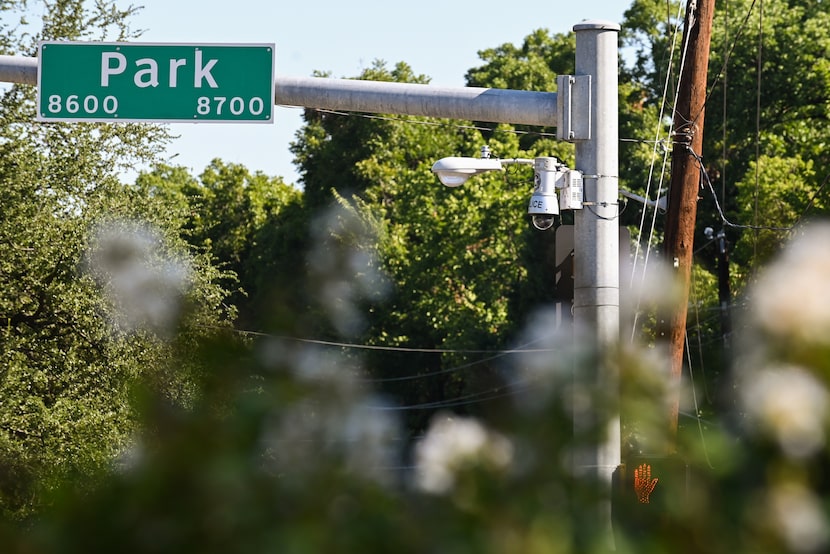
(544, 206)
(549, 175)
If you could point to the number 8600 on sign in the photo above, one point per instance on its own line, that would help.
(89, 105)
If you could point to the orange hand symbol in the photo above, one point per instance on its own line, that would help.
(643, 483)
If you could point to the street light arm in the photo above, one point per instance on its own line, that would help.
(660, 203)
(523, 161)
(455, 170)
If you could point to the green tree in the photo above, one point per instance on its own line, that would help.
(456, 258)
(774, 86)
(466, 268)
(791, 49)
(780, 112)
(766, 113)
(71, 353)
(242, 220)
(532, 66)
(324, 160)
(783, 192)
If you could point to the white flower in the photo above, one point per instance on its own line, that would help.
(790, 404)
(792, 298)
(548, 351)
(362, 437)
(452, 444)
(344, 271)
(799, 518)
(372, 445)
(650, 285)
(142, 282)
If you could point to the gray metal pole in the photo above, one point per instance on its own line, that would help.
(474, 104)
(596, 240)
(18, 69)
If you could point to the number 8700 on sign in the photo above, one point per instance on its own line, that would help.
(235, 105)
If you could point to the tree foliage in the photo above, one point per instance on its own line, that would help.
(775, 93)
(765, 124)
(458, 259)
(767, 98)
(67, 374)
(246, 222)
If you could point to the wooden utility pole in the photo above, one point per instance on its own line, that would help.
(685, 184)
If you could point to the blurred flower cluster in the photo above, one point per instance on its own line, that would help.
(143, 282)
(290, 450)
(451, 443)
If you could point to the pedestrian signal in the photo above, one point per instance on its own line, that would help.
(644, 489)
(643, 483)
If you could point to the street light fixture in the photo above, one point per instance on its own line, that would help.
(549, 174)
(454, 171)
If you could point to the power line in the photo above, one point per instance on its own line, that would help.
(448, 125)
(466, 400)
(439, 372)
(758, 79)
(704, 177)
(697, 408)
(657, 141)
(813, 198)
(404, 349)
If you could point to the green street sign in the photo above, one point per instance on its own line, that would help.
(149, 82)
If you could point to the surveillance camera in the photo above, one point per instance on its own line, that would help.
(544, 206)
(709, 233)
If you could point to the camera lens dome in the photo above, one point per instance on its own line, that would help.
(542, 222)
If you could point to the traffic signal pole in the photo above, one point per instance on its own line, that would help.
(596, 252)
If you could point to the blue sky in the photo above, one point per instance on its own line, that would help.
(437, 38)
